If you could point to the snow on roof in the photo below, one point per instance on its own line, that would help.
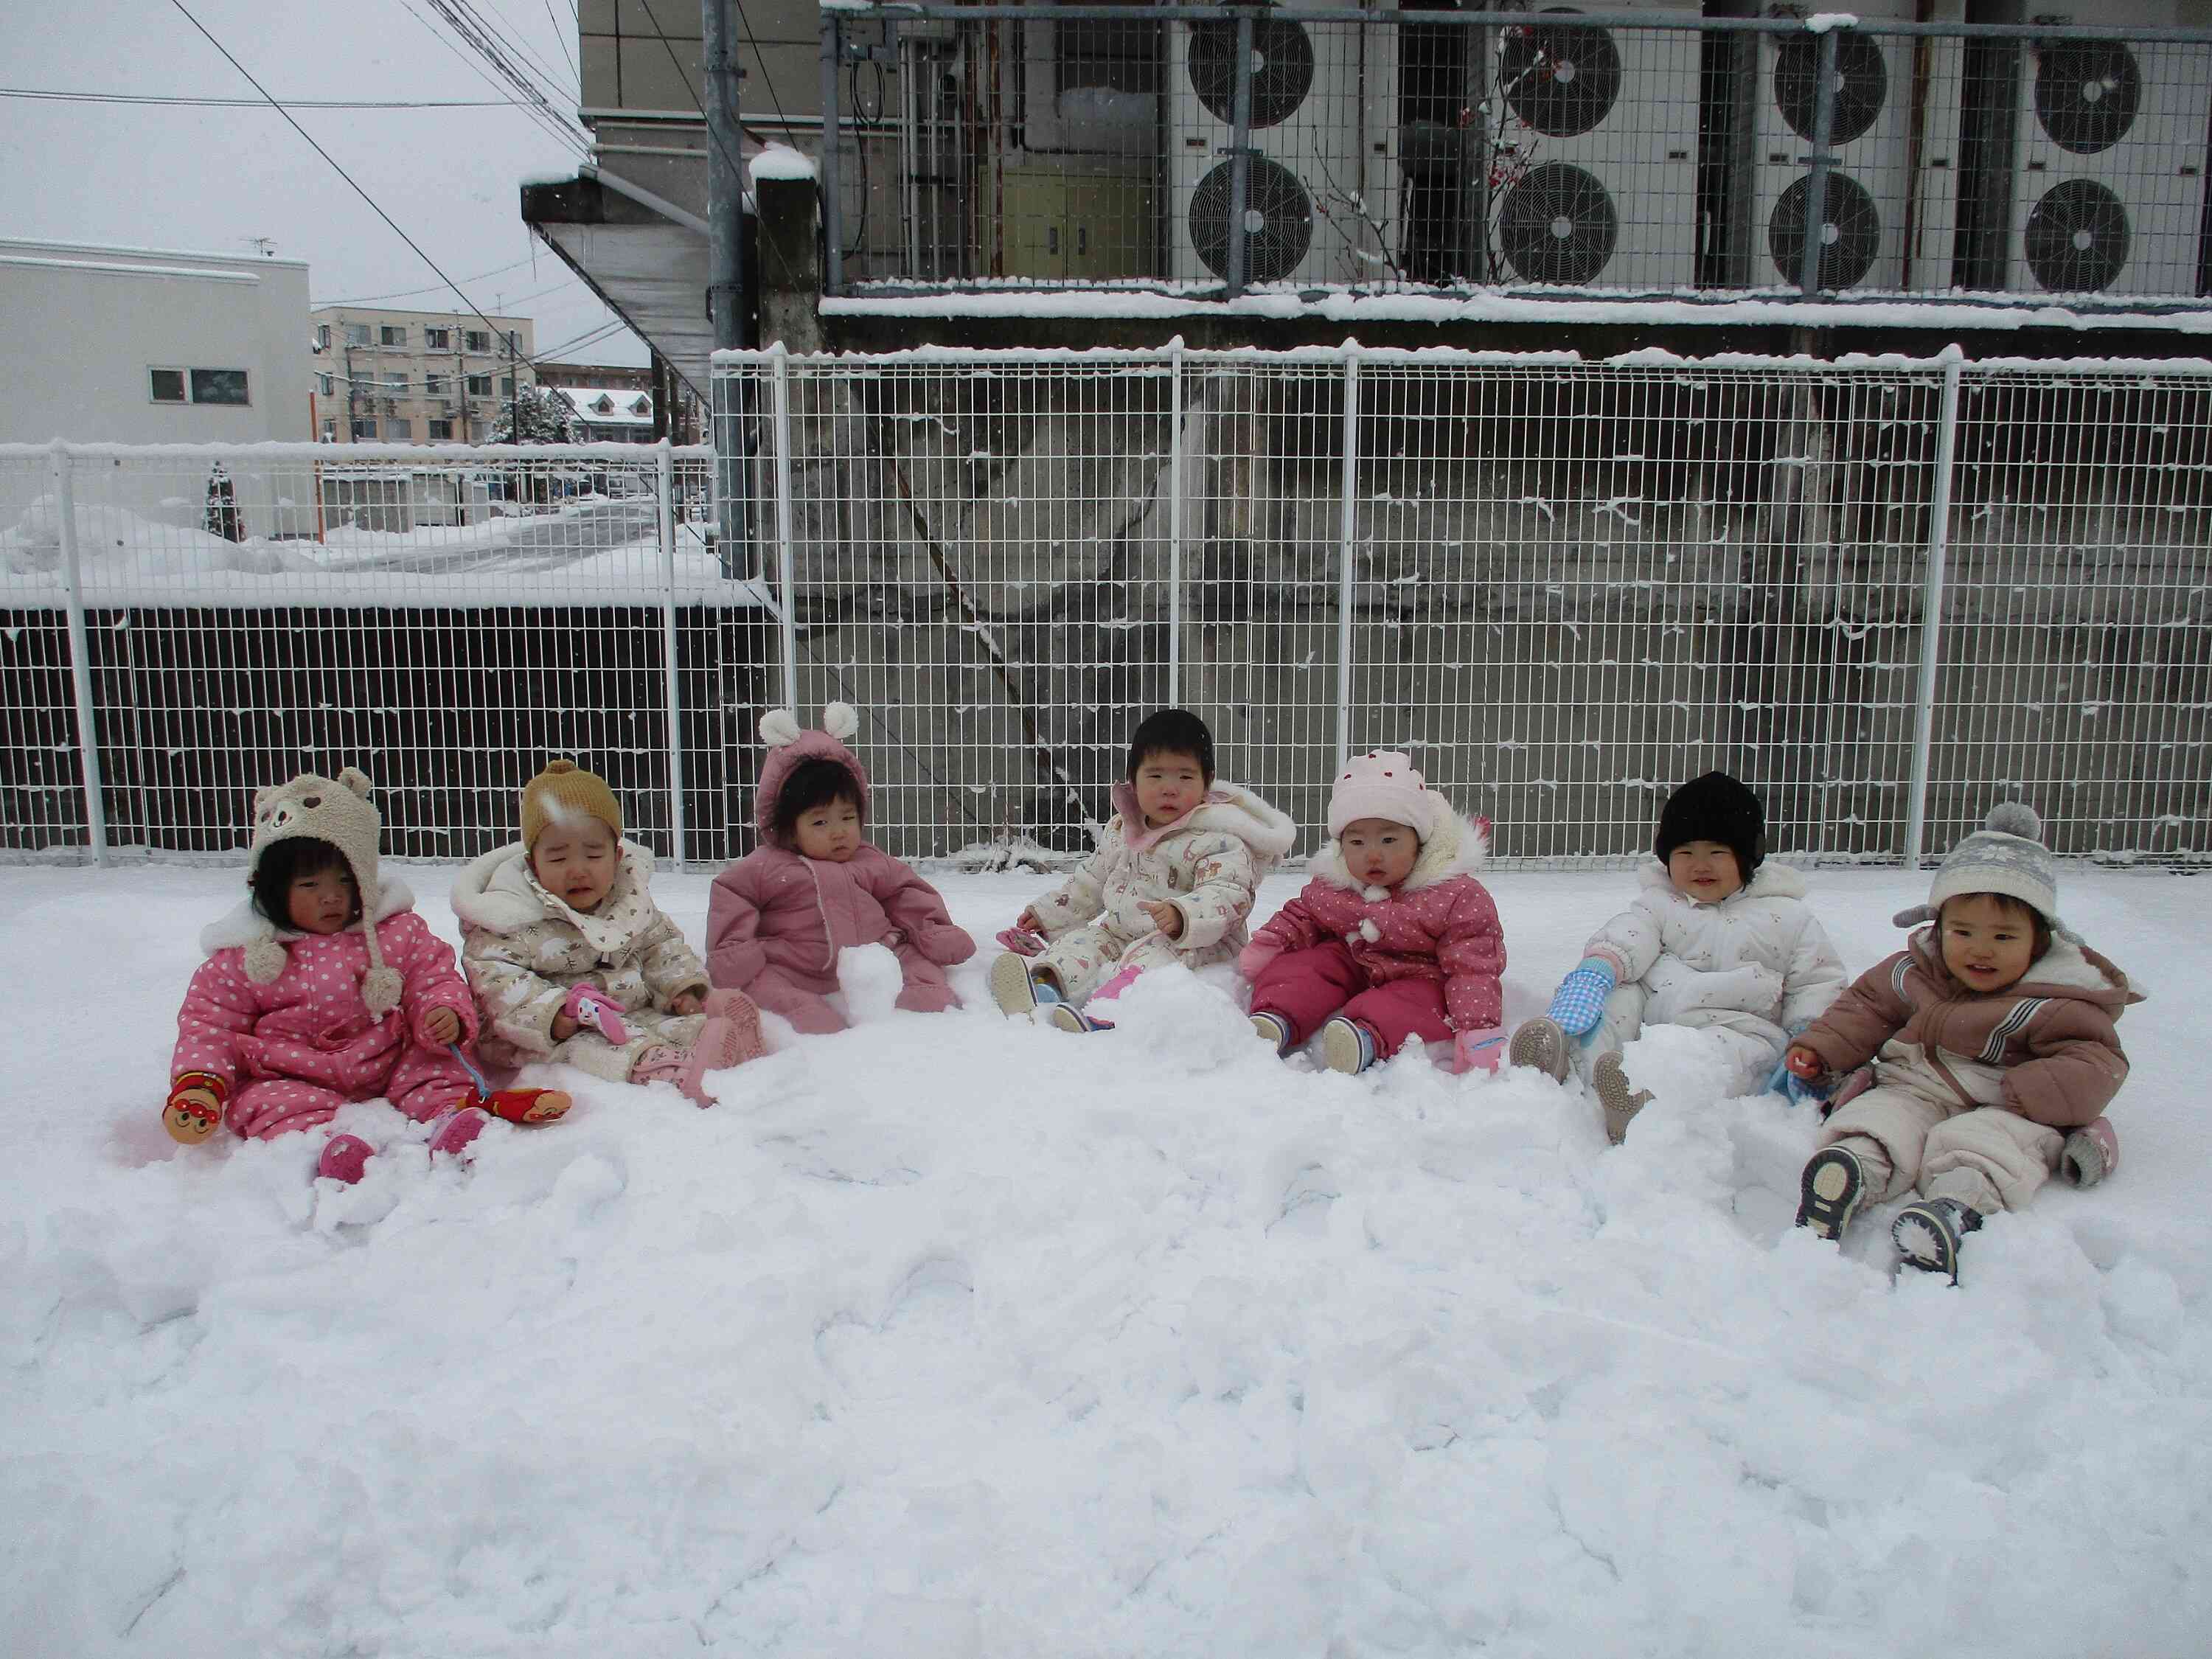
(609, 405)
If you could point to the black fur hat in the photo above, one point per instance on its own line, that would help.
(1715, 807)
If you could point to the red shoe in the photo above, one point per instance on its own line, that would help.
(344, 1159)
(522, 1105)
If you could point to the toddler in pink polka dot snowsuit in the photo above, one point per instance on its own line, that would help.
(1394, 940)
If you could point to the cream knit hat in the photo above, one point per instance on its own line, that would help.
(337, 811)
(564, 793)
(2006, 855)
(1382, 784)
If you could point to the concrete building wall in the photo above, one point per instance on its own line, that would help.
(83, 327)
(358, 352)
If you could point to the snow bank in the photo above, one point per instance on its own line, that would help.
(947, 1336)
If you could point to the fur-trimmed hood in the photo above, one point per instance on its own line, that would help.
(244, 928)
(501, 894)
(1460, 846)
(1228, 809)
(2068, 968)
(1770, 880)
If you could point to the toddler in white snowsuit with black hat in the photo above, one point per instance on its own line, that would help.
(1718, 940)
(1981, 1055)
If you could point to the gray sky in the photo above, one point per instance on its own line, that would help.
(158, 176)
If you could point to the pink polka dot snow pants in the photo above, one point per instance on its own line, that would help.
(1307, 987)
(422, 1083)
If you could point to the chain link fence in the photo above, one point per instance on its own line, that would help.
(1644, 151)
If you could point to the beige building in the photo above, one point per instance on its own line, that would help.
(420, 377)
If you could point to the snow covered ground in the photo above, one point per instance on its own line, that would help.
(948, 1337)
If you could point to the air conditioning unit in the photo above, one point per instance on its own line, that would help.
(1321, 192)
(1595, 157)
(2110, 149)
(1889, 211)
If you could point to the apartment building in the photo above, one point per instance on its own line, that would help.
(419, 377)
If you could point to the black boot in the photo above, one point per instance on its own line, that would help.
(1928, 1233)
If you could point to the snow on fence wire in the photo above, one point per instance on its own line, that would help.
(1648, 153)
(1566, 585)
(185, 624)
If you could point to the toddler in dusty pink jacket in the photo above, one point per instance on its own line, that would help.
(779, 916)
(1394, 940)
(325, 988)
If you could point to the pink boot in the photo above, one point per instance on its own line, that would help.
(744, 1018)
(344, 1158)
(451, 1131)
(719, 1044)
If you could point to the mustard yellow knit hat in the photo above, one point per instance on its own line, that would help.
(564, 793)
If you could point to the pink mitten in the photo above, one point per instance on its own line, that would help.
(1256, 956)
(1479, 1051)
(1021, 941)
(587, 1004)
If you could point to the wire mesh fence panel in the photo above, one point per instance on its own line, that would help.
(444, 619)
(1307, 146)
(42, 800)
(2076, 669)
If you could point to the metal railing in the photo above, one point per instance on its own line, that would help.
(1224, 149)
(1886, 592)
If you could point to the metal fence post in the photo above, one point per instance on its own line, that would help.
(88, 725)
(1816, 196)
(1240, 154)
(1345, 556)
(1931, 614)
(1175, 526)
(666, 460)
(786, 579)
(833, 207)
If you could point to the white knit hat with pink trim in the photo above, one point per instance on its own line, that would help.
(1382, 784)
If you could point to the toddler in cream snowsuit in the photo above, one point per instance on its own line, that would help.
(572, 961)
(1172, 881)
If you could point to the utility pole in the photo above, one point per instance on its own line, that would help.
(725, 279)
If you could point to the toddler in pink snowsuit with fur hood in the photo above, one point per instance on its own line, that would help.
(1394, 940)
(779, 916)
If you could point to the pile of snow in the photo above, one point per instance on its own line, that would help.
(946, 1336)
(116, 547)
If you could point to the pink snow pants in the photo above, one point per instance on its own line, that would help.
(1306, 987)
(804, 1000)
(423, 1083)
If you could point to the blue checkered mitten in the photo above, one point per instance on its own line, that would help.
(1581, 997)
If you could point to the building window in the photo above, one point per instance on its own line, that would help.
(323, 335)
(479, 386)
(390, 334)
(437, 339)
(513, 340)
(327, 385)
(364, 428)
(329, 430)
(197, 385)
(476, 431)
(395, 383)
(440, 431)
(477, 339)
(434, 386)
(507, 385)
(399, 429)
(356, 334)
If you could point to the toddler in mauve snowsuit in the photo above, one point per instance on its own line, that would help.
(325, 988)
(779, 916)
(1981, 1055)
(1394, 940)
(571, 959)
(1173, 880)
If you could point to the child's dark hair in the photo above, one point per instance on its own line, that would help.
(284, 862)
(812, 783)
(1172, 732)
(2038, 924)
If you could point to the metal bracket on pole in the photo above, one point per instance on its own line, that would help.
(1816, 196)
(1240, 155)
(87, 726)
(665, 469)
(1931, 619)
(1345, 558)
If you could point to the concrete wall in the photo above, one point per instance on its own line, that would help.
(81, 325)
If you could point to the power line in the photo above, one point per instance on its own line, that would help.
(494, 49)
(48, 94)
(335, 167)
(505, 307)
(547, 123)
(409, 293)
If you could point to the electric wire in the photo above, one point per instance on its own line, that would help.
(46, 94)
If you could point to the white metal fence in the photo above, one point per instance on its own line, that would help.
(1565, 586)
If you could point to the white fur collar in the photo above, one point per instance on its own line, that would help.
(1228, 807)
(1459, 848)
(1770, 880)
(243, 924)
(498, 893)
